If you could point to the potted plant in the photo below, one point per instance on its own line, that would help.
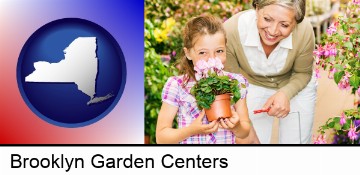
(214, 91)
(339, 53)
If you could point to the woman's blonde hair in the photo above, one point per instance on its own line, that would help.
(297, 5)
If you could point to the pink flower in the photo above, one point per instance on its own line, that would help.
(331, 30)
(358, 91)
(333, 50)
(206, 7)
(331, 73)
(218, 64)
(352, 133)
(342, 119)
(356, 2)
(211, 63)
(202, 65)
(317, 60)
(351, 31)
(319, 51)
(201, 69)
(320, 139)
(198, 76)
(165, 57)
(344, 82)
(330, 50)
(317, 73)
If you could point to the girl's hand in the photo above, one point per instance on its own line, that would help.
(199, 128)
(230, 123)
(280, 105)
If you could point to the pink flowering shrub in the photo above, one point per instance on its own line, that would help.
(339, 54)
(340, 51)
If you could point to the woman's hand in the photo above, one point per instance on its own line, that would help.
(230, 123)
(197, 127)
(279, 105)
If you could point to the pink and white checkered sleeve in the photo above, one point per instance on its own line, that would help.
(170, 92)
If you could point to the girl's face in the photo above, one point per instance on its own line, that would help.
(274, 23)
(207, 46)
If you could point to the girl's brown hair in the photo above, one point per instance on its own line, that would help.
(196, 27)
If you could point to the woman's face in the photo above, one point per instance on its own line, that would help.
(274, 23)
(207, 46)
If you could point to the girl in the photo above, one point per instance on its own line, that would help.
(204, 38)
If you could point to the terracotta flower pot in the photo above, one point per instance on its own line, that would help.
(146, 139)
(220, 108)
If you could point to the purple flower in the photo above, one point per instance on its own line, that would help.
(357, 123)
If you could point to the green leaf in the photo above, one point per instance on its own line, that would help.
(331, 124)
(193, 91)
(243, 85)
(357, 116)
(336, 119)
(346, 126)
(357, 26)
(339, 67)
(338, 76)
(349, 45)
(348, 122)
(325, 127)
(354, 81)
(337, 126)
